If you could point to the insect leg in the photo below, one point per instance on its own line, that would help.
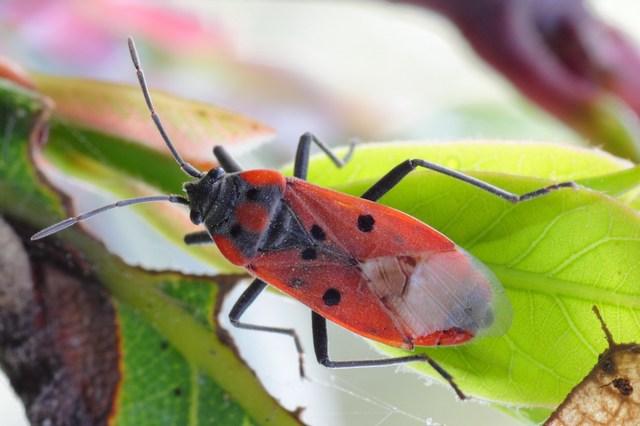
(321, 347)
(226, 161)
(241, 305)
(301, 164)
(198, 238)
(391, 179)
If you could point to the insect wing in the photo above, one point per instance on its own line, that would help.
(333, 289)
(362, 228)
(384, 274)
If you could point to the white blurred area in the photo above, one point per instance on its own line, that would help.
(11, 409)
(367, 69)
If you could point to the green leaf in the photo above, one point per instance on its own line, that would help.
(533, 159)
(176, 356)
(556, 256)
(613, 124)
(618, 184)
(119, 110)
(24, 117)
(176, 366)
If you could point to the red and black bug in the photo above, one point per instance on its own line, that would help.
(369, 268)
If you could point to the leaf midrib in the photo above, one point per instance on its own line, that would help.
(520, 280)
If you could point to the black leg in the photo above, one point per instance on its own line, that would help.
(301, 164)
(321, 347)
(198, 238)
(391, 179)
(226, 161)
(243, 303)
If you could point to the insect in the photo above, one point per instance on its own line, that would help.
(369, 268)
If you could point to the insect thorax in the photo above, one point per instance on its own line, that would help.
(247, 208)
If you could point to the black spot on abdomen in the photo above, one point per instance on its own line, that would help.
(331, 297)
(366, 223)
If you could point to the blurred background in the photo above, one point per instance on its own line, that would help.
(374, 70)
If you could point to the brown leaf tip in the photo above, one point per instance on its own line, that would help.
(607, 333)
(606, 396)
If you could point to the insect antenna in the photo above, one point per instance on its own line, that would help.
(186, 167)
(84, 216)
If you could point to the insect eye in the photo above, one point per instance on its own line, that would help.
(216, 172)
(196, 217)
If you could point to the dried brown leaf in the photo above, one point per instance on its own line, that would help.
(610, 394)
(59, 341)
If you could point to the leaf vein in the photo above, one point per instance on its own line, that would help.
(591, 247)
